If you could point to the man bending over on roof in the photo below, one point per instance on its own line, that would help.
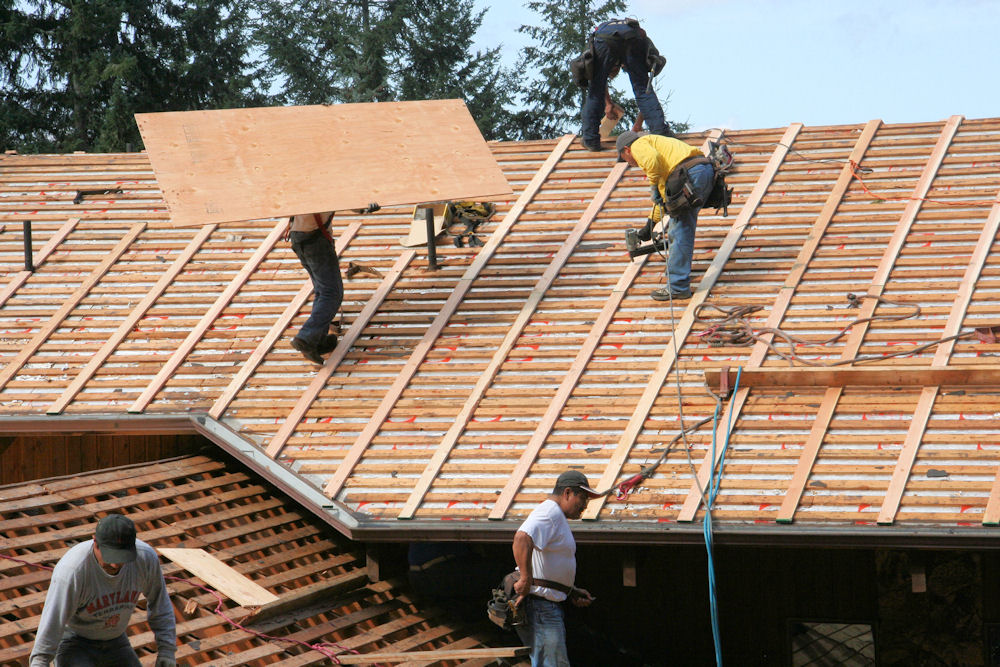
(93, 592)
(681, 179)
(317, 252)
(621, 44)
(545, 553)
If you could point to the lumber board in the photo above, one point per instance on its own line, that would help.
(679, 335)
(404, 376)
(220, 576)
(984, 375)
(56, 320)
(38, 260)
(778, 311)
(433, 656)
(129, 322)
(249, 367)
(337, 356)
(241, 164)
(503, 350)
(221, 302)
(309, 594)
(857, 335)
(557, 406)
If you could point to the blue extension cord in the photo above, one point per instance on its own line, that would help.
(713, 490)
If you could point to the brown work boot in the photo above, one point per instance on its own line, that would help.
(664, 294)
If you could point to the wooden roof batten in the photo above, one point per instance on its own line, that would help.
(778, 310)
(669, 357)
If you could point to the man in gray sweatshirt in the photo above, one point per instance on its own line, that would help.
(93, 592)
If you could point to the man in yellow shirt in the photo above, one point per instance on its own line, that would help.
(681, 178)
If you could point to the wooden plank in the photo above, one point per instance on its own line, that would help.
(343, 347)
(220, 576)
(69, 304)
(133, 317)
(778, 310)
(831, 397)
(22, 276)
(854, 376)
(223, 300)
(915, 434)
(243, 164)
(309, 594)
(565, 390)
(403, 378)
(443, 450)
(683, 328)
(438, 655)
(274, 333)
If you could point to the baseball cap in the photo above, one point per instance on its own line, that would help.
(574, 479)
(115, 537)
(625, 139)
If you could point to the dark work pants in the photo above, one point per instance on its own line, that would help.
(633, 61)
(319, 258)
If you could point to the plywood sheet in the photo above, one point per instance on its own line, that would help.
(243, 164)
(220, 576)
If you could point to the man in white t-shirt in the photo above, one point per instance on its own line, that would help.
(545, 552)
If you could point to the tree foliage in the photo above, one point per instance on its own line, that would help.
(551, 100)
(80, 69)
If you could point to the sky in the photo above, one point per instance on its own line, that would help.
(743, 64)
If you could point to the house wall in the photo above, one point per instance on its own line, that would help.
(28, 457)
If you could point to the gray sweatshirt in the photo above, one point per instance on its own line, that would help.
(94, 604)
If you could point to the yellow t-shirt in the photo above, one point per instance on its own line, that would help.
(658, 156)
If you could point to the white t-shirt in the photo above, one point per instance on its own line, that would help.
(554, 555)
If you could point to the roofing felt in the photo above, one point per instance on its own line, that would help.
(461, 393)
(324, 596)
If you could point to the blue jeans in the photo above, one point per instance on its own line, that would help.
(545, 633)
(319, 258)
(681, 229)
(77, 651)
(633, 61)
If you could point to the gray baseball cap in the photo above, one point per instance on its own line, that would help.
(625, 139)
(115, 537)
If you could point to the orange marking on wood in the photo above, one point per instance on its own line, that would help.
(408, 420)
(863, 507)
(965, 508)
(763, 506)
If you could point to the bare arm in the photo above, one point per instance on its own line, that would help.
(523, 546)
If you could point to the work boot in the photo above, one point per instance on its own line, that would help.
(328, 344)
(593, 146)
(664, 294)
(310, 352)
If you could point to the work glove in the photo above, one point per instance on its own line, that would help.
(162, 661)
(654, 194)
(372, 207)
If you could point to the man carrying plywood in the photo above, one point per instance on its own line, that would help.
(316, 250)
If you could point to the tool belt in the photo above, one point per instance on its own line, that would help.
(681, 194)
(502, 611)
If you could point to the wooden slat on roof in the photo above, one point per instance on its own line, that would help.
(811, 230)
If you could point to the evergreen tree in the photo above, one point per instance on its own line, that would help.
(81, 69)
(321, 52)
(437, 61)
(551, 100)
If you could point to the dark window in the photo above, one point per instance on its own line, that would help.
(823, 643)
